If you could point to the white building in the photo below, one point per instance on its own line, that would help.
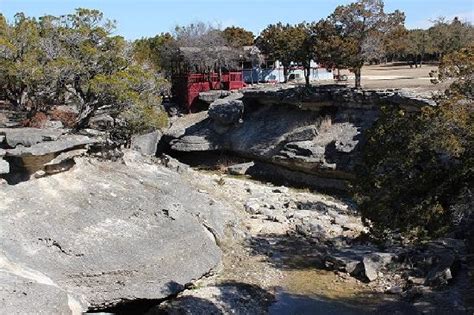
(274, 73)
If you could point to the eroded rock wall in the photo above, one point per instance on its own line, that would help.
(316, 132)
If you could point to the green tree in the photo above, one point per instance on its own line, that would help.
(394, 40)
(330, 50)
(451, 36)
(289, 44)
(415, 166)
(303, 39)
(149, 51)
(21, 61)
(71, 58)
(361, 28)
(238, 36)
(419, 43)
(275, 42)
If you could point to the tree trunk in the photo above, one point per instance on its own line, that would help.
(85, 115)
(357, 73)
(285, 74)
(307, 75)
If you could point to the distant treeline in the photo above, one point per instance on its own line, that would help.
(354, 34)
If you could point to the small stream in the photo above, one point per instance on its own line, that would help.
(313, 291)
(308, 305)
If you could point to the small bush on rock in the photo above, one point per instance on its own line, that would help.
(144, 117)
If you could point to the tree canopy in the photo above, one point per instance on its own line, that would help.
(288, 43)
(358, 32)
(238, 36)
(202, 47)
(151, 51)
(74, 59)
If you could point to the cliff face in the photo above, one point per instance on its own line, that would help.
(314, 133)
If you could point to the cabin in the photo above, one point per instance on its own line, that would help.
(257, 68)
(188, 82)
(186, 87)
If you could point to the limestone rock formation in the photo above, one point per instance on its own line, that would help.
(211, 96)
(26, 151)
(104, 233)
(315, 132)
(29, 136)
(60, 144)
(226, 111)
(4, 166)
(146, 144)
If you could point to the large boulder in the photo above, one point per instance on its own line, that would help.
(226, 111)
(26, 151)
(362, 262)
(240, 169)
(146, 144)
(23, 293)
(373, 263)
(211, 96)
(104, 233)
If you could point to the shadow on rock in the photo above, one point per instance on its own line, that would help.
(288, 251)
(224, 298)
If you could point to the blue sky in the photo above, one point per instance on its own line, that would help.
(140, 18)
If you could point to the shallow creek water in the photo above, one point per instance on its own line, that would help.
(313, 291)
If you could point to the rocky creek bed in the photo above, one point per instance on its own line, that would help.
(292, 251)
(88, 227)
(152, 236)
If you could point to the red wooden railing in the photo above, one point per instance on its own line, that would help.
(187, 88)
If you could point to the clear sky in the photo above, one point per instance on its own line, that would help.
(140, 18)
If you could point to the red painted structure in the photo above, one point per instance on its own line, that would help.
(186, 88)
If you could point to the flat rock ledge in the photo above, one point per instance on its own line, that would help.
(26, 151)
(339, 96)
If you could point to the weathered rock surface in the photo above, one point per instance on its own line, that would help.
(4, 166)
(63, 162)
(103, 233)
(29, 136)
(101, 121)
(240, 169)
(316, 132)
(146, 144)
(61, 144)
(20, 295)
(211, 96)
(337, 96)
(27, 151)
(226, 111)
(226, 298)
